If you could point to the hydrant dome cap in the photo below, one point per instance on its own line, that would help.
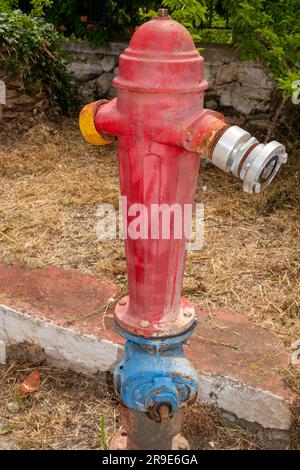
(161, 58)
(163, 36)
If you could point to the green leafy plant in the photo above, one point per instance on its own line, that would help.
(220, 32)
(191, 13)
(66, 16)
(6, 429)
(269, 30)
(18, 399)
(104, 21)
(103, 441)
(7, 5)
(39, 6)
(32, 51)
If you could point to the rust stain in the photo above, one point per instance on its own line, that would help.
(245, 156)
(209, 142)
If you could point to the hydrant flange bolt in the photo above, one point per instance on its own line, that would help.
(170, 325)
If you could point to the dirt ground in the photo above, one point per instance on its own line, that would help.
(51, 184)
(72, 411)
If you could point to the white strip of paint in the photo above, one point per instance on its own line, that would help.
(246, 402)
(79, 351)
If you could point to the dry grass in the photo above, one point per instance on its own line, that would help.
(71, 411)
(50, 186)
(291, 375)
(250, 261)
(66, 413)
(51, 183)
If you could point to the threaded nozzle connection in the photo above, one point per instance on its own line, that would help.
(254, 163)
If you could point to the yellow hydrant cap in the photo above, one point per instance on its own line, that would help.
(87, 124)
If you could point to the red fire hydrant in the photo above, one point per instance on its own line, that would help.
(162, 131)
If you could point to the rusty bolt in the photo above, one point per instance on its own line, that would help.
(144, 323)
(187, 313)
(164, 413)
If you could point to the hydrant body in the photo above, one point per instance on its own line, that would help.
(160, 86)
(162, 129)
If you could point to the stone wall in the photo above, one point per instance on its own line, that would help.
(243, 86)
(242, 89)
(12, 100)
(94, 68)
(16, 102)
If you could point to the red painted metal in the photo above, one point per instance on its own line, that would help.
(161, 126)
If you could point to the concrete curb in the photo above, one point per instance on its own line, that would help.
(242, 377)
(89, 354)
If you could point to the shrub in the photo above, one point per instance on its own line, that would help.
(7, 5)
(32, 50)
(269, 30)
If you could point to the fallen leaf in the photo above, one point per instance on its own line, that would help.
(31, 383)
(7, 428)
